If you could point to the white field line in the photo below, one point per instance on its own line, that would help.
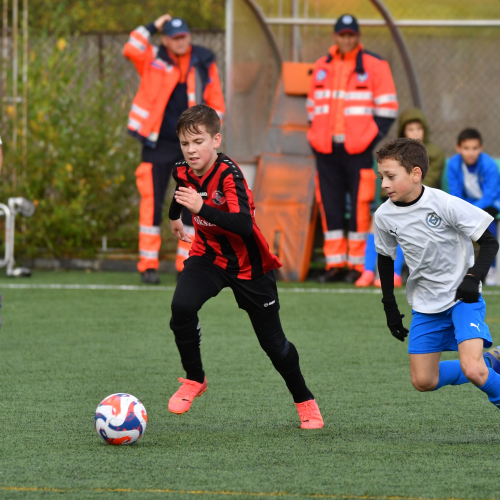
(137, 288)
(134, 288)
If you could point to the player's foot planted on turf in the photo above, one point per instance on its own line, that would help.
(310, 416)
(182, 400)
(352, 276)
(366, 279)
(151, 277)
(332, 275)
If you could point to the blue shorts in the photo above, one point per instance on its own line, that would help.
(445, 330)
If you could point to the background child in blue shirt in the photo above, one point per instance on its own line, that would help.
(473, 176)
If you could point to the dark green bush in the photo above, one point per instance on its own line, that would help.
(81, 161)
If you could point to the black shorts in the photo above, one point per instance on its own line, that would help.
(255, 296)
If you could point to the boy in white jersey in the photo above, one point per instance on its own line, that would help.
(435, 231)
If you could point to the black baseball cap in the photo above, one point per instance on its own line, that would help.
(175, 27)
(346, 22)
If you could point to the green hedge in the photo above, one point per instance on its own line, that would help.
(81, 161)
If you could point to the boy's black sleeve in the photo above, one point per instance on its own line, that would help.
(241, 223)
(488, 249)
(174, 212)
(394, 317)
(468, 290)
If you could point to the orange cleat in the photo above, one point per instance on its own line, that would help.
(182, 400)
(366, 279)
(398, 282)
(310, 416)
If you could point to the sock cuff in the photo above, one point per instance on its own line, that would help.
(489, 381)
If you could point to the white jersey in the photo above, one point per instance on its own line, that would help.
(435, 235)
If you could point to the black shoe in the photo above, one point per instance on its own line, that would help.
(333, 275)
(352, 276)
(150, 277)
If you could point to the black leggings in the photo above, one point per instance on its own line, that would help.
(202, 280)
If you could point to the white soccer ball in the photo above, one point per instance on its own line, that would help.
(120, 419)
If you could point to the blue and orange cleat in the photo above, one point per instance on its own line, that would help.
(182, 400)
(310, 416)
(492, 358)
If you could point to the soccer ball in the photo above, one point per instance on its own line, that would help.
(120, 419)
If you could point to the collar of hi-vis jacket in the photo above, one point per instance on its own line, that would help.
(356, 53)
(201, 59)
(183, 62)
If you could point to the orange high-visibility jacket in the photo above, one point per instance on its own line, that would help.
(158, 80)
(348, 95)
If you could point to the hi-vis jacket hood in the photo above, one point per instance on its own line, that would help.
(413, 115)
(159, 77)
(434, 152)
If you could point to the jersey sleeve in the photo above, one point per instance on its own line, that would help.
(235, 192)
(467, 218)
(385, 243)
(174, 212)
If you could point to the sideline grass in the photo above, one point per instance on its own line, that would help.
(62, 351)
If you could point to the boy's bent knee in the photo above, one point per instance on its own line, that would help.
(185, 331)
(476, 373)
(183, 312)
(424, 384)
(270, 334)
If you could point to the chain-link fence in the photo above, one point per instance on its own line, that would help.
(458, 67)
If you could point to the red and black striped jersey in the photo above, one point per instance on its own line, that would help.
(240, 248)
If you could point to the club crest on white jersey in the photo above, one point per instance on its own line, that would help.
(433, 220)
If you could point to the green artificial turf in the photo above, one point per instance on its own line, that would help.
(62, 351)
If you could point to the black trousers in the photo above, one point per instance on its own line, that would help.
(339, 174)
(201, 280)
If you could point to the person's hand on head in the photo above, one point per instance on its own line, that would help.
(161, 21)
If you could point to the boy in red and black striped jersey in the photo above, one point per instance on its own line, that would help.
(228, 251)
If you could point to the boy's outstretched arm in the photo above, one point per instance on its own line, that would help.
(394, 317)
(468, 290)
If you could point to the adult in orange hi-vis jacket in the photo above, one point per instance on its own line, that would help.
(351, 106)
(174, 76)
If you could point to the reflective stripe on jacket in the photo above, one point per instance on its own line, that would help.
(158, 80)
(347, 95)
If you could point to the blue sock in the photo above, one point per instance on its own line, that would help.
(450, 373)
(399, 262)
(370, 253)
(492, 387)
